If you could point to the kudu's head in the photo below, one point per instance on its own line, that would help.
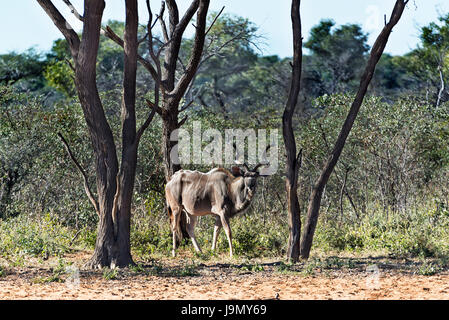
(247, 186)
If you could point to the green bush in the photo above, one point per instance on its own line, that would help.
(35, 237)
(251, 236)
(150, 229)
(409, 234)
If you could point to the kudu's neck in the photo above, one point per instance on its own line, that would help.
(242, 198)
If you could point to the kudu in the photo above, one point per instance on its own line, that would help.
(219, 192)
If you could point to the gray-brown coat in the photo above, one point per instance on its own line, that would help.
(217, 192)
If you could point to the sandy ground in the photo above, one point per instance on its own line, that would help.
(211, 280)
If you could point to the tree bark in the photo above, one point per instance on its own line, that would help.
(293, 160)
(317, 191)
(169, 125)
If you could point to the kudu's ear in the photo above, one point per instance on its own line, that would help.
(236, 171)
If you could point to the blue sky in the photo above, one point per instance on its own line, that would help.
(24, 24)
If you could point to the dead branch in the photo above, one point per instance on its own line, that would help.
(73, 10)
(108, 32)
(197, 50)
(215, 19)
(83, 173)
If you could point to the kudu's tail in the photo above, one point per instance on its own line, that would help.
(183, 225)
(180, 231)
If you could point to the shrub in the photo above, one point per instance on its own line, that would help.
(407, 234)
(35, 237)
(111, 274)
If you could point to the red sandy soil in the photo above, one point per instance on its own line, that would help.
(212, 280)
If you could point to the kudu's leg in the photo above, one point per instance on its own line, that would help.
(175, 227)
(217, 228)
(191, 222)
(225, 223)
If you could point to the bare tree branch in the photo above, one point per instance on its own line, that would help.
(183, 120)
(108, 32)
(145, 125)
(182, 25)
(114, 212)
(162, 22)
(293, 159)
(217, 50)
(186, 106)
(83, 173)
(155, 107)
(61, 23)
(173, 15)
(73, 10)
(197, 51)
(215, 19)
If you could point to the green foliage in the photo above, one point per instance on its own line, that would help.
(395, 162)
(232, 79)
(34, 162)
(150, 229)
(87, 237)
(58, 273)
(435, 35)
(22, 236)
(428, 63)
(248, 238)
(59, 71)
(395, 149)
(428, 269)
(410, 234)
(137, 268)
(24, 70)
(286, 268)
(337, 55)
(188, 269)
(60, 76)
(252, 267)
(111, 274)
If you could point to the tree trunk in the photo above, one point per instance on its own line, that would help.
(100, 133)
(317, 192)
(169, 125)
(293, 161)
(126, 179)
(114, 186)
(164, 74)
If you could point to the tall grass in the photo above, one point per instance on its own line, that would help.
(418, 233)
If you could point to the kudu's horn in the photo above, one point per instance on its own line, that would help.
(237, 161)
(264, 157)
